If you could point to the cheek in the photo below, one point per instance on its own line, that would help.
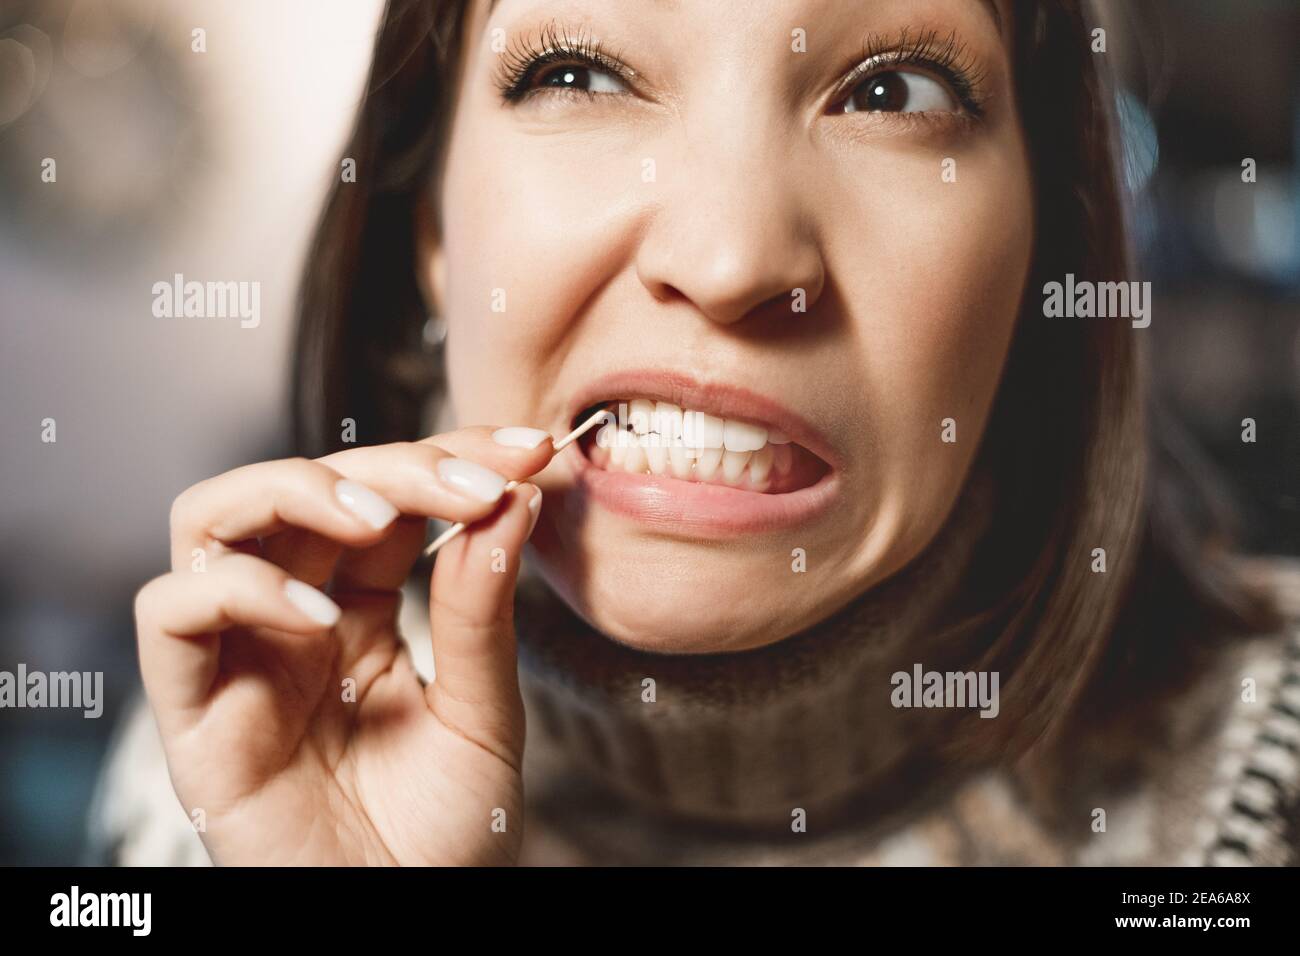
(971, 262)
(934, 294)
(531, 233)
(528, 242)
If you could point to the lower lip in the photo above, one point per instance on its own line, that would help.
(699, 509)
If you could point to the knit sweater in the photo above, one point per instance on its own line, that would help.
(1216, 782)
(797, 753)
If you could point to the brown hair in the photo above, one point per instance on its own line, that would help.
(1080, 459)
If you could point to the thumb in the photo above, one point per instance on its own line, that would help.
(475, 690)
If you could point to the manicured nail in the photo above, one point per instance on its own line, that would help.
(517, 437)
(472, 479)
(311, 602)
(535, 509)
(367, 505)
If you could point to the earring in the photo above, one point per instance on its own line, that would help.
(434, 335)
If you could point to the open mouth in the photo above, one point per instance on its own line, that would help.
(692, 459)
(645, 436)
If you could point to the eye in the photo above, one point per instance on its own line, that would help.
(586, 79)
(898, 91)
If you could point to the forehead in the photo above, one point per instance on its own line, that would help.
(992, 7)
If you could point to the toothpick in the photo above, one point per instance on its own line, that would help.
(560, 445)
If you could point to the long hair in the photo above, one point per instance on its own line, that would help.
(1084, 471)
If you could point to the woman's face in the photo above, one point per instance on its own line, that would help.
(803, 226)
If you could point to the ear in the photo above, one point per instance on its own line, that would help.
(430, 261)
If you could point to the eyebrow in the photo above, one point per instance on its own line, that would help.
(990, 6)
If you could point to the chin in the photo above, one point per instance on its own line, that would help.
(683, 605)
(662, 632)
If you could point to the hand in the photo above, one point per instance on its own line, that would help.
(248, 665)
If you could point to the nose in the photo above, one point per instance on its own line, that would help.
(731, 234)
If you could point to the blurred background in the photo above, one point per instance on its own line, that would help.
(214, 164)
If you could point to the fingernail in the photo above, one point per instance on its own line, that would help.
(471, 478)
(517, 437)
(535, 509)
(311, 602)
(367, 505)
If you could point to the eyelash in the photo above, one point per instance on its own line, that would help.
(523, 60)
(946, 58)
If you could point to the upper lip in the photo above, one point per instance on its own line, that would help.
(713, 398)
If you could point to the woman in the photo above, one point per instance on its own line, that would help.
(922, 581)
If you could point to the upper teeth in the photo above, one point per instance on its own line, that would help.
(665, 425)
